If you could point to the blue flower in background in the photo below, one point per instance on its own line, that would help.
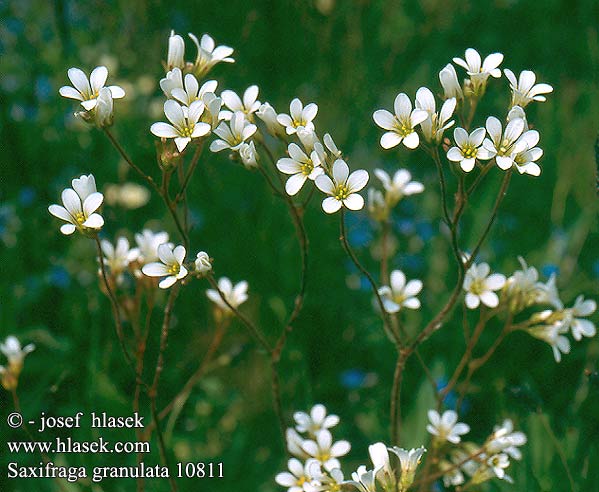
(405, 226)
(425, 230)
(59, 277)
(451, 399)
(27, 196)
(43, 88)
(596, 268)
(352, 378)
(549, 269)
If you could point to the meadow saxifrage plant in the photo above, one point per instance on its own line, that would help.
(142, 270)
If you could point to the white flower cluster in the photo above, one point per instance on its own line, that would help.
(523, 290)
(315, 466)
(466, 462)
(512, 147)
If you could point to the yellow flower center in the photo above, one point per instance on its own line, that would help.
(174, 269)
(404, 128)
(79, 218)
(301, 481)
(186, 131)
(307, 167)
(469, 151)
(323, 456)
(477, 287)
(341, 192)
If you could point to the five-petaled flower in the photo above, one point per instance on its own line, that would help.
(248, 105)
(185, 123)
(209, 54)
(524, 89)
(468, 148)
(480, 285)
(87, 90)
(399, 186)
(170, 265)
(400, 126)
(504, 145)
(299, 116)
(343, 188)
(480, 72)
(233, 134)
(446, 427)
(79, 205)
(400, 293)
(300, 166)
(235, 295)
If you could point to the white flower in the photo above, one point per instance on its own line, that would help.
(574, 318)
(233, 134)
(446, 427)
(331, 146)
(248, 155)
(170, 266)
(505, 440)
(449, 81)
(248, 106)
(343, 188)
(87, 91)
(79, 206)
(400, 294)
(505, 145)
(316, 420)
(209, 54)
(176, 52)
(523, 289)
(300, 167)
(203, 263)
(399, 186)
(479, 73)
(185, 123)
(297, 475)
(235, 295)
(309, 140)
(400, 127)
(468, 149)
(269, 116)
(104, 113)
(363, 479)
(117, 258)
(212, 111)
(331, 480)
(379, 455)
(186, 90)
(498, 463)
(524, 90)
(377, 206)
(479, 285)
(324, 450)
(11, 348)
(526, 154)
(294, 442)
(409, 461)
(551, 334)
(147, 245)
(436, 123)
(299, 116)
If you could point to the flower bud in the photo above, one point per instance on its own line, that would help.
(176, 52)
(449, 80)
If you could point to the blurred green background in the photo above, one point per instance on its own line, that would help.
(351, 57)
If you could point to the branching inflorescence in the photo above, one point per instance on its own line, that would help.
(197, 116)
